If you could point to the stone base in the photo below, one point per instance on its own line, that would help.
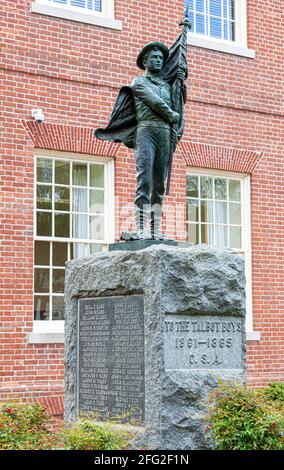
(180, 314)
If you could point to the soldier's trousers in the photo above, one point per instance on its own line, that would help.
(152, 151)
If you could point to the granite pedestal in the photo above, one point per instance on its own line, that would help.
(148, 335)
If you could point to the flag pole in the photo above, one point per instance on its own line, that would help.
(178, 91)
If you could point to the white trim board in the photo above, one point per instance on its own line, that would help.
(46, 338)
(221, 46)
(71, 13)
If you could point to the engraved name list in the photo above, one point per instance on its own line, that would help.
(111, 357)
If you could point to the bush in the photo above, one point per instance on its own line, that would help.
(89, 435)
(23, 427)
(274, 391)
(245, 419)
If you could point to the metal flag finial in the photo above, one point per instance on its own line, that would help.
(185, 22)
(186, 13)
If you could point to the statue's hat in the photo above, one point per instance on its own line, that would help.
(163, 47)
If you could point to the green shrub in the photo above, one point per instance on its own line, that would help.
(23, 427)
(89, 435)
(274, 391)
(245, 419)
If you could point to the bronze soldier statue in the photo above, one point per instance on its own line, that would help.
(148, 116)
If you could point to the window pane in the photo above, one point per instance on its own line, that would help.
(215, 27)
(80, 174)
(41, 280)
(221, 212)
(225, 8)
(78, 250)
(232, 9)
(44, 170)
(44, 197)
(97, 201)
(226, 30)
(78, 3)
(235, 237)
(97, 227)
(59, 253)
(95, 248)
(57, 307)
(215, 7)
(235, 213)
(80, 226)
(62, 199)
(58, 280)
(42, 253)
(234, 190)
(221, 236)
(191, 20)
(192, 212)
(62, 172)
(41, 307)
(220, 188)
(62, 227)
(188, 3)
(192, 186)
(90, 4)
(206, 211)
(232, 32)
(200, 5)
(97, 176)
(206, 187)
(98, 5)
(193, 233)
(80, 200)
(44, 224)
(200, 24)
(207, 234)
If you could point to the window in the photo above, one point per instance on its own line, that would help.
(92, 5)
(218, 214)
(214, 211)
(214, 18)
(98, 12)
(73, 218)
(220, 25)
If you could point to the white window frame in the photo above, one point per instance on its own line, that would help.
(104, 18)
(48, 330)
(246, 233)
(237, 47)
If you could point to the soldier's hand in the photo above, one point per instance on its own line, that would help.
(176, 118)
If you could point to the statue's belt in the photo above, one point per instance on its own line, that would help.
(153, 123)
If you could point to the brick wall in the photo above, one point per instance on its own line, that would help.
(73, 72)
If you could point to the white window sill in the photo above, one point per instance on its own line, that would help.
(74, 15)
(253, 335)
(221, 46)
(46, 338)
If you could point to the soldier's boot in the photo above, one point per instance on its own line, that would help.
(155, 225)
(141, 218)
